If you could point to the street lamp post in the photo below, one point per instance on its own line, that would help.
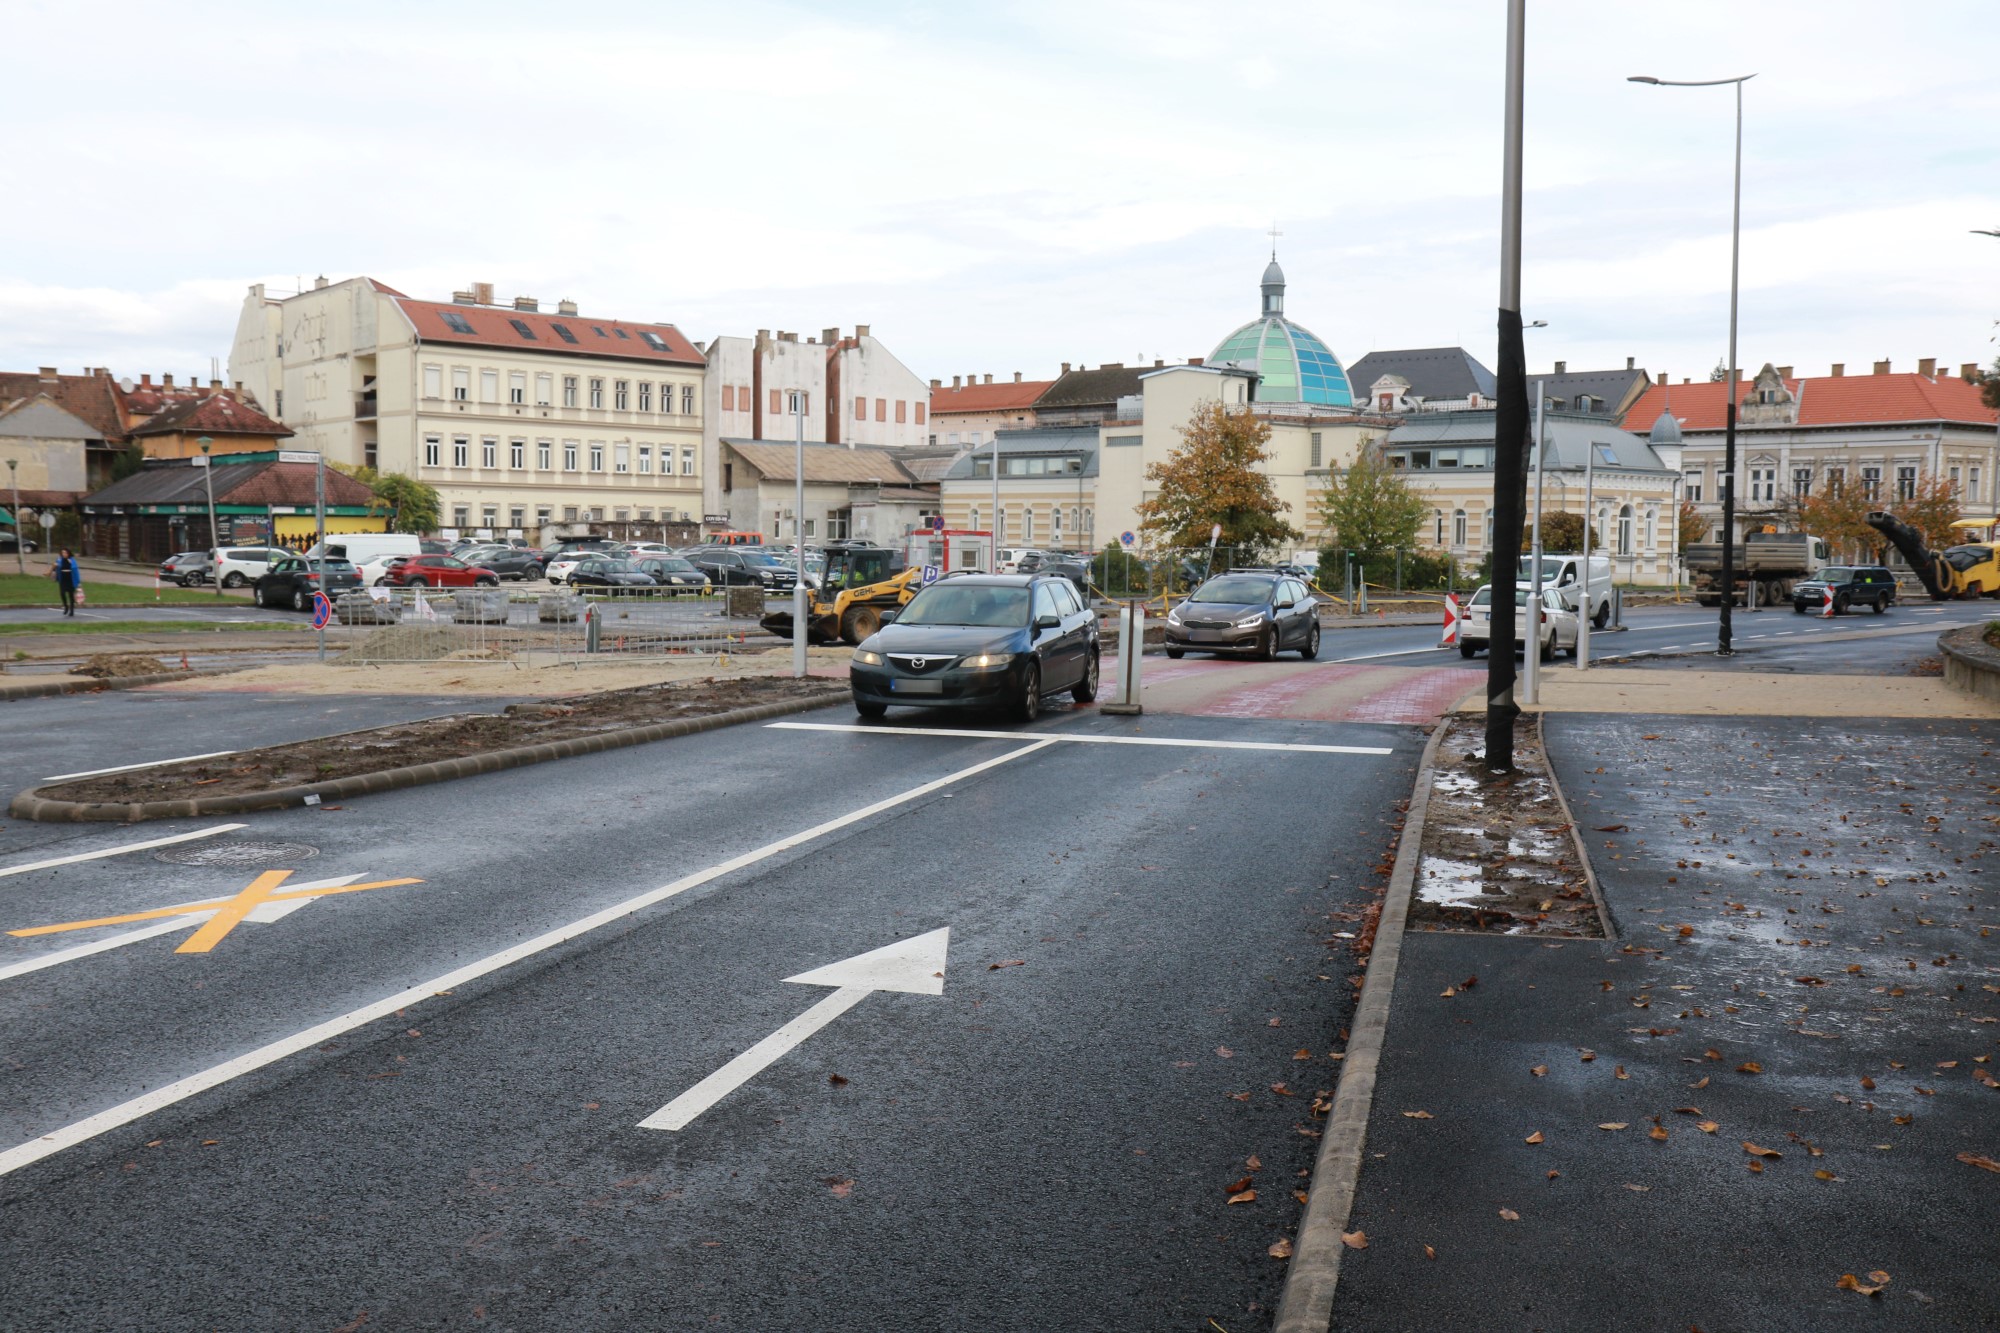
(1722, 639)
(20, 534)
(799, 607)
(214, 540)
(1510, 415)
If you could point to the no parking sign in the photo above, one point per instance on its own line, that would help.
(322, 610)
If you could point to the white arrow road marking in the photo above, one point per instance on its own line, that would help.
(120, 851)
(263, 912)
(915, 965)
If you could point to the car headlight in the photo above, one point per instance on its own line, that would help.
(864, 657)
(1251, 622)
(987, 661)
(1174, 616)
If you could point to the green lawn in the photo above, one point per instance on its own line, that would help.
(146, 627)
(40, 590)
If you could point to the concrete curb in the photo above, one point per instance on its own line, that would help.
(1970, 663)
(39, 689)
(28, 805)
(1604, 918)
(1314, 1272)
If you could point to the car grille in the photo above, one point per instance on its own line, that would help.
(1208, 624)
(918, 664)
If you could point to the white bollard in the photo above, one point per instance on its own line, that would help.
(1131, 649)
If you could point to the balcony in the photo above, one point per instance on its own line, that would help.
(364, 406)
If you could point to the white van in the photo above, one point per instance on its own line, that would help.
(368, 552)
(1563, 571)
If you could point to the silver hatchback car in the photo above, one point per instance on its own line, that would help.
(1261, 614)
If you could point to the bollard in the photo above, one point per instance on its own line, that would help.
(591, 622)
(1131, 649)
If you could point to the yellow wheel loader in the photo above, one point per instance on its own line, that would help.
(855, 590)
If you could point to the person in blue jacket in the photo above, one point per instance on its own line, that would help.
(69, 577)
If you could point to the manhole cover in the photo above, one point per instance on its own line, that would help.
(236, 853)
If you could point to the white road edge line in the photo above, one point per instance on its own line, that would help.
(1081, 740)
(1404, 652)
(215, 1075)
(120, 851)
(127, 768)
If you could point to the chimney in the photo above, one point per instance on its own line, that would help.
(763, 335)
(1784, 372)
(1628, 363)
(1157, 363)
(1881, 367)
(528, 303)
(1017, 377)
(146, 380)
(238, 389)
(1927, 366)
(1839, 369)
(48, 374)
(566, 307)
(1562, 367)
(1969, 371)
(989, 379)
(214, 385)
(166, 381)
(861, 330)
(1065, 369)
(1194, 360)
(483, 292)
(1112, 365)
(937, 384)
(954, 381)
(830, 336)
(319, 282)
(464, 298)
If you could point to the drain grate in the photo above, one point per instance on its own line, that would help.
(236, 854)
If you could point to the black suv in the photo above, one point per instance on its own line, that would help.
(1851, 585)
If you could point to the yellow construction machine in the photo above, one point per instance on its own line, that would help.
(855, 590)
(1970, 569)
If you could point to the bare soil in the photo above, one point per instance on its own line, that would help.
(107, 666)
(1498, 855)
(439, 738)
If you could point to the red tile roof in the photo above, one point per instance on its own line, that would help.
(1824, 400)
(92, 399)
(494, 326)
(1004, 397)
(218, 412)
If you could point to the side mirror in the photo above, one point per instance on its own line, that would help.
(889, 617)
(1048, 622)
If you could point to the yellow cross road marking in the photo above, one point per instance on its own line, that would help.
(224, 909)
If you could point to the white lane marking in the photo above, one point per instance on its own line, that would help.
(250, 1061)
(1080, 740)
(127, 768)
(1406, 652)
(915, 966)
(120, 851)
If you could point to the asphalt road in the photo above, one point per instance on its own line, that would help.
(1135, 959)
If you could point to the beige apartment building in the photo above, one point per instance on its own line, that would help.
(528, 423)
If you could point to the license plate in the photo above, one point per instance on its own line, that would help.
(917, 686)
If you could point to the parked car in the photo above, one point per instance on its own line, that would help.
(187, 568)
(1566, 571)
(509, 562)
(1557, 629)
(980, 641)
(10, 542)
(1067, 567)
(237, 566)
(1851, 585)
(291, 580)
(634, 550)
(743, 566)
(1007, 560)
(1257, 613)
(560, 563)
(670, 571)
(435, 571)
(605, 572)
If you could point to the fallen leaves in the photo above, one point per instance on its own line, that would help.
(1658, 1133)
(1243, 1196)
(1280, 1249)
(1756, 1151)
(839, 1186)
(1849, 1282)
(1419, 1115)
(837, 1080)
(1749, 1067)
(1983, 1163)
(1010, 962)
(1708, 1127)
(1354, 1240)
(1535, 1137)
(1539, 1070)
(1509, 1215)
(1614, 1125)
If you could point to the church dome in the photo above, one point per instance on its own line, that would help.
(1293, 365)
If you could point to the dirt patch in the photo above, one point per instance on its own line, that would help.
(1498, 855)
(1927, 666)
(440, 738)
(108, 666)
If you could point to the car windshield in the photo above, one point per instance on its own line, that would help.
(1552, 568)
(1233, 590)
(611, 567)
(765, 558)
(673, 565)
(334, 566)
(967, 604)
(1836, 574)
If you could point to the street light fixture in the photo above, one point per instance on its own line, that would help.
(1722, 640)
(214, 539)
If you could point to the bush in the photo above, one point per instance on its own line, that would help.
(1421, 571)
(1117, 573)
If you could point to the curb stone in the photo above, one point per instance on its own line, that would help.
(28, 805)
(38, 689)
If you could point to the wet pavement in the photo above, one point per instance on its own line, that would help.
(1774, 1076)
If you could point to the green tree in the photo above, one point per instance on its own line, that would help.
(412, 506)
(1369, 507)
(1562, 534)
(1693, 527)
(130, 461)
(1989, 386)
(1214, 477)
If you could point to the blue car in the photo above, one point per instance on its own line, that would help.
(1000, 641)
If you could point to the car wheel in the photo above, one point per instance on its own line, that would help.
(1268, 649)
(1086, 689)
(1311, 650)
(1602, 618)
(1028, 704)
(486, 583)
(1175, 654)
(301, 602)
(868, 708)
(1547, 650)
(1840, 606)
(1881, 605)
(531, 573)
(1575, 650)
(234, 580)
(420, 583)
(1798, 608)
(1467, 650)
(858, 624)
(189, 580)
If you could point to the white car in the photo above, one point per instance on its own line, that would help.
(1555, 632)
(558, 569)
(1010, 558)
(1566, 572)
(641, 550)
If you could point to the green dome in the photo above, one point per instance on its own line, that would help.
(1293, 365)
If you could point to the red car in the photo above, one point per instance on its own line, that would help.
(435, 571)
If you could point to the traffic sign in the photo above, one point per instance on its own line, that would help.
(48, 521)
(1126, 538)
(937, 522)
(322, 610)
(931, 573)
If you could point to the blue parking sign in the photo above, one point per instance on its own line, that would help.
(930, 574)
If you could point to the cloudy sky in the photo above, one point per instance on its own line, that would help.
(1011, 185)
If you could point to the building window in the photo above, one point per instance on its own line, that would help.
(1625, 530)
(597, 455)
(517, 454)
(517, 387)
(646, 458)
(1693, 487)
(861, 409)
(1836, 481)
(1972, 483)
(972, 519)
(1801, 482)
(569, 455)
(542, 382)
(901, 408)
(1318, 459)
(645, 396)
(517, 519)
(597, 513)
(596, 392)
(433, 382)
(489, 386)
(728, 397)
(461, 451)
(621, 394)
(543, 450)
(922, 414)
(1027, 525)
(1056, 524)
(490, 517)
(433, 451)
(1458, 527)
(1906, 483)
(542, 515)
(1871, 483)
(489, 452)
(1763, 484)
(461, 517)
(809, 527)
(1439, 515)
(1652, 535)
(1952, 475)
(687, 400)
(687, 462)
(621, 457)
(569, 513)
(569, 391)
(881, 409)
(777, 404)
(461, 384)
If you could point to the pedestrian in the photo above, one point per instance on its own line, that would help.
(69, 580)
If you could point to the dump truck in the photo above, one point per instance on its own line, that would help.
(855, 590)
(1771, 561)
(1971, 569)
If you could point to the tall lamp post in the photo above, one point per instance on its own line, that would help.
(1722, 642)
(214, 538)
(1510, 411)
(20, 537)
